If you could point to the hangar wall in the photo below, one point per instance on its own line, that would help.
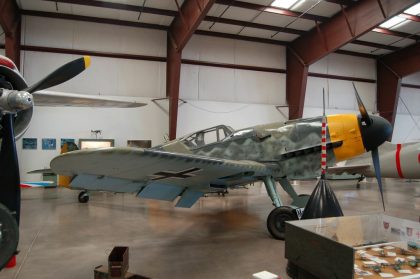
(214, 95)
(407, 120)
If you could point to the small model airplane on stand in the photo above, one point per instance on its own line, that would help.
(220, 158)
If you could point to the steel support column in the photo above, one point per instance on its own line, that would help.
(297, 75)
(10, 22)
(387, 91)
(390, 70)
(180, 31)
(173, 73)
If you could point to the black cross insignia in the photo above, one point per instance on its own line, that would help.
(171, 174)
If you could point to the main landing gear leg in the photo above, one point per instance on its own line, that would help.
(280, 214)
(298, 200)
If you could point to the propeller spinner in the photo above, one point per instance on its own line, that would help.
(375, 130)
(13, 102)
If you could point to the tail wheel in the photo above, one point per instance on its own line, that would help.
(9, 236)
(83, 197)
(277, 218)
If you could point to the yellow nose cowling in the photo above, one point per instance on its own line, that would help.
(345, 128)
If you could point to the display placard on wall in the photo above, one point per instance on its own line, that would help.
(49, 144)
(29, 143)
(95, 143)
(63, 141)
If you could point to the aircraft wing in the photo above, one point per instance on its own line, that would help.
(54, 99)
(154, 173)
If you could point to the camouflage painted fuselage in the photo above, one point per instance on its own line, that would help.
(291, 148)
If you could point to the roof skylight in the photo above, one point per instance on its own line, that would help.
(284, 4)
(393, 22)
(415, 10)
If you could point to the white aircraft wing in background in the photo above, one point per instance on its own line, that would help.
(59, 99)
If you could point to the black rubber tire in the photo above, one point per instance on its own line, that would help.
(83, 197)
(276, 219)
(9, 236)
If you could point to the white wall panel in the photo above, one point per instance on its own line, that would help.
(106, 76)
(411, 98)
(263, 55)
(232, 85)
(197, 115)
(345, 65)
(92, 36)
(40, 31)
(339, 94)
(188, 87)
(405, 129)
(221, 50)
(412, 79)
(216, 84)
(2, 51)
(260, 87)
(205, 48)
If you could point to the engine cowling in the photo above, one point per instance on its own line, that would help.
(11, 79)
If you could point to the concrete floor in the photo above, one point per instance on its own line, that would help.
(220, 237)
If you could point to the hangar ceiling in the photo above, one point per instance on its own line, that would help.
(255, 20)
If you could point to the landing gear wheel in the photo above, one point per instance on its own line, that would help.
(276, 219)
(9, 236)
(83, 197)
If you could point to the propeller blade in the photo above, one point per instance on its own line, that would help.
(362, 108)
(9, 175)
(377, 166)
(62, 74)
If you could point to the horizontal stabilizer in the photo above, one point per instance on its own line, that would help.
(41, 171)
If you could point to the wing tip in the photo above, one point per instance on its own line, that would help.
(87, 60)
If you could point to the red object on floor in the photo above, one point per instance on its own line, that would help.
(12, 262)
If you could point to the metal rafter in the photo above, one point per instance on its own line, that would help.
(10, 21)
(391, 69)
(156, 11)
(191, 14)
(341, 29)
(363, 17)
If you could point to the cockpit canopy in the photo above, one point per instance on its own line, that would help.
(207, 136)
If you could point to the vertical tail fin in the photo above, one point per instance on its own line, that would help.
(64, 181)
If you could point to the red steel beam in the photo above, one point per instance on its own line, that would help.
(173, 73)
(411, 17)
(391, 69)
(11, 22)
(343, 28)
(191, 14)
(297, 75)
(362, 17)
